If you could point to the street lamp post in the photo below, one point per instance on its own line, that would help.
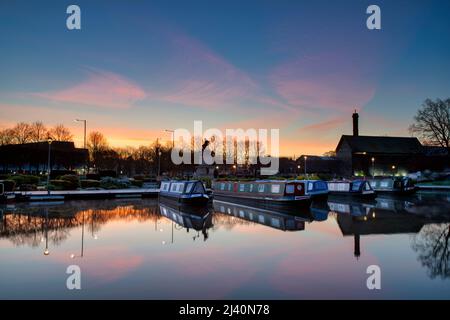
(49, 140)
(298, 169)
(84, 138)
(305, 157)
(173, 136)
(173, 139)
(373, 167)
(393, 170)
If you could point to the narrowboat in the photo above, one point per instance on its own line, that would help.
(263, 192)
(270, 218)
(394, 185)
(316, 189)
(191, 192)
(354, 188)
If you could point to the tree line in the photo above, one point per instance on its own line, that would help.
(34, 132)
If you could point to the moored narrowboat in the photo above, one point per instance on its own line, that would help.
(354, 188)
(267, 192)
(317, 189)
(191, 192)
(395, 185)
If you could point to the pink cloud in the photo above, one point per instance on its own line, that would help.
(101, 89)
(327, 82)
(202, 78)
(325, 125)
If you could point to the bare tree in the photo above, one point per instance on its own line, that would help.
(433, 246)
(38, 131)
(6, 137)
(96, 144)
(22, 133)
(60, 133)
(432, 122)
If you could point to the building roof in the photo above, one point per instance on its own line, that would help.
(312, 157)
(381, 144)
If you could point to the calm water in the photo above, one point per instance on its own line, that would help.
(143, 249)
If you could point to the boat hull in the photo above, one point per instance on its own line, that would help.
(303, 202)
(185, 201)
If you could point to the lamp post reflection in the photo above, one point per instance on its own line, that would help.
(46, 251)
(73, 256)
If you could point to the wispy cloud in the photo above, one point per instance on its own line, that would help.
(202, 78)
(100, 89)
(325, 125)
(327, 82)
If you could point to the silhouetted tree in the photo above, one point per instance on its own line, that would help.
(22, 133)
(6, 137)
(432, 243)
(432, 122)
(60, 133)
(38, 131)
(96, 144)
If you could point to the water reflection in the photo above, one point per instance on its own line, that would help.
(270, 218)
(198, 219)
(421, 222)
(426, 216)
(34, 224)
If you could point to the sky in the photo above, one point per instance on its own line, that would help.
(137, 67)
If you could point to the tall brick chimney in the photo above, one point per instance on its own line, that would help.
(355, 117)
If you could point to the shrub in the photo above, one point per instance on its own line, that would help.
(20, 179)
(112, 183)
(9, 185)
(93, 176)
(206, 181)
(60, 185)
(90, 183)
(27, 187)
(72, 179)
(308, 177)
(137, 183)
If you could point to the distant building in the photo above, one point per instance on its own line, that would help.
(33, 157)
(318, 164)
(378, 155)
(372, 155)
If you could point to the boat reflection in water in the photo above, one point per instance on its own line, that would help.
(196, 218)
(386, 216)
(281, 220)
